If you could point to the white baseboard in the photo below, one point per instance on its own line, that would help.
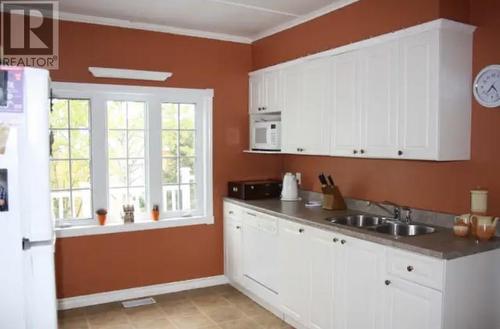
(139, 292)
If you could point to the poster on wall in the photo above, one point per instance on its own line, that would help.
(4, 188)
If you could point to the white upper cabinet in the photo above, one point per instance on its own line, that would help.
(345, 111)
(306, 117)
(314, 126)
(290, 117)
(404, 95)
(419, 74)
(379, 100)
(365, 102)
(266, 92)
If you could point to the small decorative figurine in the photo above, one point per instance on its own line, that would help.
(128, 214)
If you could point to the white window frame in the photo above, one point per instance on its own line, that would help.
(99, 94)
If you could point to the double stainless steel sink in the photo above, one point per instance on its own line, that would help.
(382, 224)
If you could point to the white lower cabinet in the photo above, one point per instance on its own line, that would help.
(321, 276)
(293, 270)
(410, 306)
(233, 265)
(326, 280)
(357, 291)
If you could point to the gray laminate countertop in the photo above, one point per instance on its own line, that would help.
(440, 244)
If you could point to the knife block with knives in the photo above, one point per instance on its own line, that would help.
(332, 198)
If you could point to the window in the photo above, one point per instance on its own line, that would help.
(126, 155)
(178, 157)
(117, 145)
(70, 159)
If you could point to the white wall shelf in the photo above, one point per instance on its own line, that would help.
(262, 152)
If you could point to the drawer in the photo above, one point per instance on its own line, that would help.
(232, 210)
(423, 270)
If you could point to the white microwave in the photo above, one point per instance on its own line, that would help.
(266, 136)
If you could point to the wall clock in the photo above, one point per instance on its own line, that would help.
(487, 86)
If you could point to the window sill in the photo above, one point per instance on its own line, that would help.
(83, 230)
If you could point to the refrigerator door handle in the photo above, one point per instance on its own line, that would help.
(28, 244)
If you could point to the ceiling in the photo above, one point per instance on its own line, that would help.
(234, 20)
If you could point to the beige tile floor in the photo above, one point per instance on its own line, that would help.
(220, 307)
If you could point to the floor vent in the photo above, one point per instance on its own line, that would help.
(138, 302)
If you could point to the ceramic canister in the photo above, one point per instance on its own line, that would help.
(479, 201)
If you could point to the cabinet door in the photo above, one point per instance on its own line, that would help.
(379, 101)
(321, 265)
(274, 92)
(345, 135)
(419, 55)
(290, 116)
(257, 93)
(314, 116)
(293, 270)
(357, 289)
(410, 306)
(233, 265)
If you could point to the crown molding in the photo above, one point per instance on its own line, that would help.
(65, 16)
(302, 19)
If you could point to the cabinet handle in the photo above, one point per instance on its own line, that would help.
(301, 230)
(362, 151)
(264, 108)
(400, 153)
(335, 240)
(387, 282)
(355, 152)
(231, 212)
(343, 241)
(238, 227)
(410, 268)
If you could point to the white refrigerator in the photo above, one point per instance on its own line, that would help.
(27, 280)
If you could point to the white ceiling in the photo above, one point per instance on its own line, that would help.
(234, 20)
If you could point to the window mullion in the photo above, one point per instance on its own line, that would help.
(154, 160)
(99, 153)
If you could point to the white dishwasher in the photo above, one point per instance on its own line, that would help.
(260, 249)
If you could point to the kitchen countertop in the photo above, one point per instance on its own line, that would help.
(440, 244)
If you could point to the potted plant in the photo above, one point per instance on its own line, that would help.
(101, 216)
(155, 213)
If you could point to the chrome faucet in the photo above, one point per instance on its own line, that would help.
(396, 211)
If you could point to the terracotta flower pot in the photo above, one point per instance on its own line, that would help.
(155, 215)
(102, 219)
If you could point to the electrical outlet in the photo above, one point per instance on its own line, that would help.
(299, 178)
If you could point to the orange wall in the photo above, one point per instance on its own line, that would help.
(94, 264)
(429, 185)
(108, 262)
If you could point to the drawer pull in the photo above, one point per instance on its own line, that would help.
(410, 268)
(335, 240)
(387, 282)
(231, 212)
(301, 230)
(238, 227)
(343, 241)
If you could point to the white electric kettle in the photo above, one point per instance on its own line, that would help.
(290, 191)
